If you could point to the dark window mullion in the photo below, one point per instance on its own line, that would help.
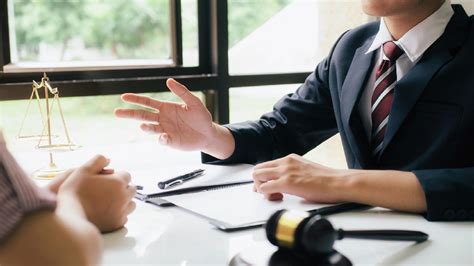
(220, 62)
(267, 79)
(204, 38)
(15, 91)
(4, 37)
(176, 32)
(74, 76)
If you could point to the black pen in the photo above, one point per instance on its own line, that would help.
(180, 179)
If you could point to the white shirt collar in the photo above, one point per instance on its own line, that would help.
(417, 40)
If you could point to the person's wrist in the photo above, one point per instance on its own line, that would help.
(68, 201)
(220, 143)
(346, 185)
(209, 143)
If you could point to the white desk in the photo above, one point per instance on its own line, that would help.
(171, 236)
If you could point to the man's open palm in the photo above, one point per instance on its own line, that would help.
(185, 126)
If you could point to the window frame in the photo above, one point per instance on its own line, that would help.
(211, 75)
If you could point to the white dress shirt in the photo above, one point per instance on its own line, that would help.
(414, 43)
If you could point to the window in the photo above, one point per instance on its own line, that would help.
(106, 47)
(110, 47)
(290, 35)
(88, 33)
(257, 100)
(189, 16)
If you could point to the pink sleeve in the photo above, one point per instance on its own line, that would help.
(18, 194)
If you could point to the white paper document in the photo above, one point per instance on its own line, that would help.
(238, 205)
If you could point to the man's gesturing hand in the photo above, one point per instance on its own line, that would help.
(185, 126)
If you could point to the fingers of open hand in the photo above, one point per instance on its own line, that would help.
(182, 92)
(164, 139)
(152, 128)
(141, 100)
(142, 115)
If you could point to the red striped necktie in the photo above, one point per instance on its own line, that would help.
(382, 98)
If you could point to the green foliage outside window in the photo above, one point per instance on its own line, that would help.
(121, 29)
(118, 28)
(247, 15)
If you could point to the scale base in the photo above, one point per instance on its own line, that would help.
(47, 173)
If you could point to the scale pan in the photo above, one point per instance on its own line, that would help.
(59, 147)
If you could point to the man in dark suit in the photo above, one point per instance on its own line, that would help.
(400, 92)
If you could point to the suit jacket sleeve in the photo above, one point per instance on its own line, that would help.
(299, 122)
(448, 193)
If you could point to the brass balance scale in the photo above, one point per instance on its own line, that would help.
(45, 138)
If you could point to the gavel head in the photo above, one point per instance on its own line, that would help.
(301, 232)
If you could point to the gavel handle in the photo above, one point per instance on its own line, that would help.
(390, 235)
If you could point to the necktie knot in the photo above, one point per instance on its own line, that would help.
(392, 51)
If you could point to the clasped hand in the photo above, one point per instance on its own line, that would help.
(104, 195)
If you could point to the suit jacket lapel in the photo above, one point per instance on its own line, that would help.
(412, 85)
(350, 93)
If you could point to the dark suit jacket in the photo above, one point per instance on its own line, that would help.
(431, 127)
